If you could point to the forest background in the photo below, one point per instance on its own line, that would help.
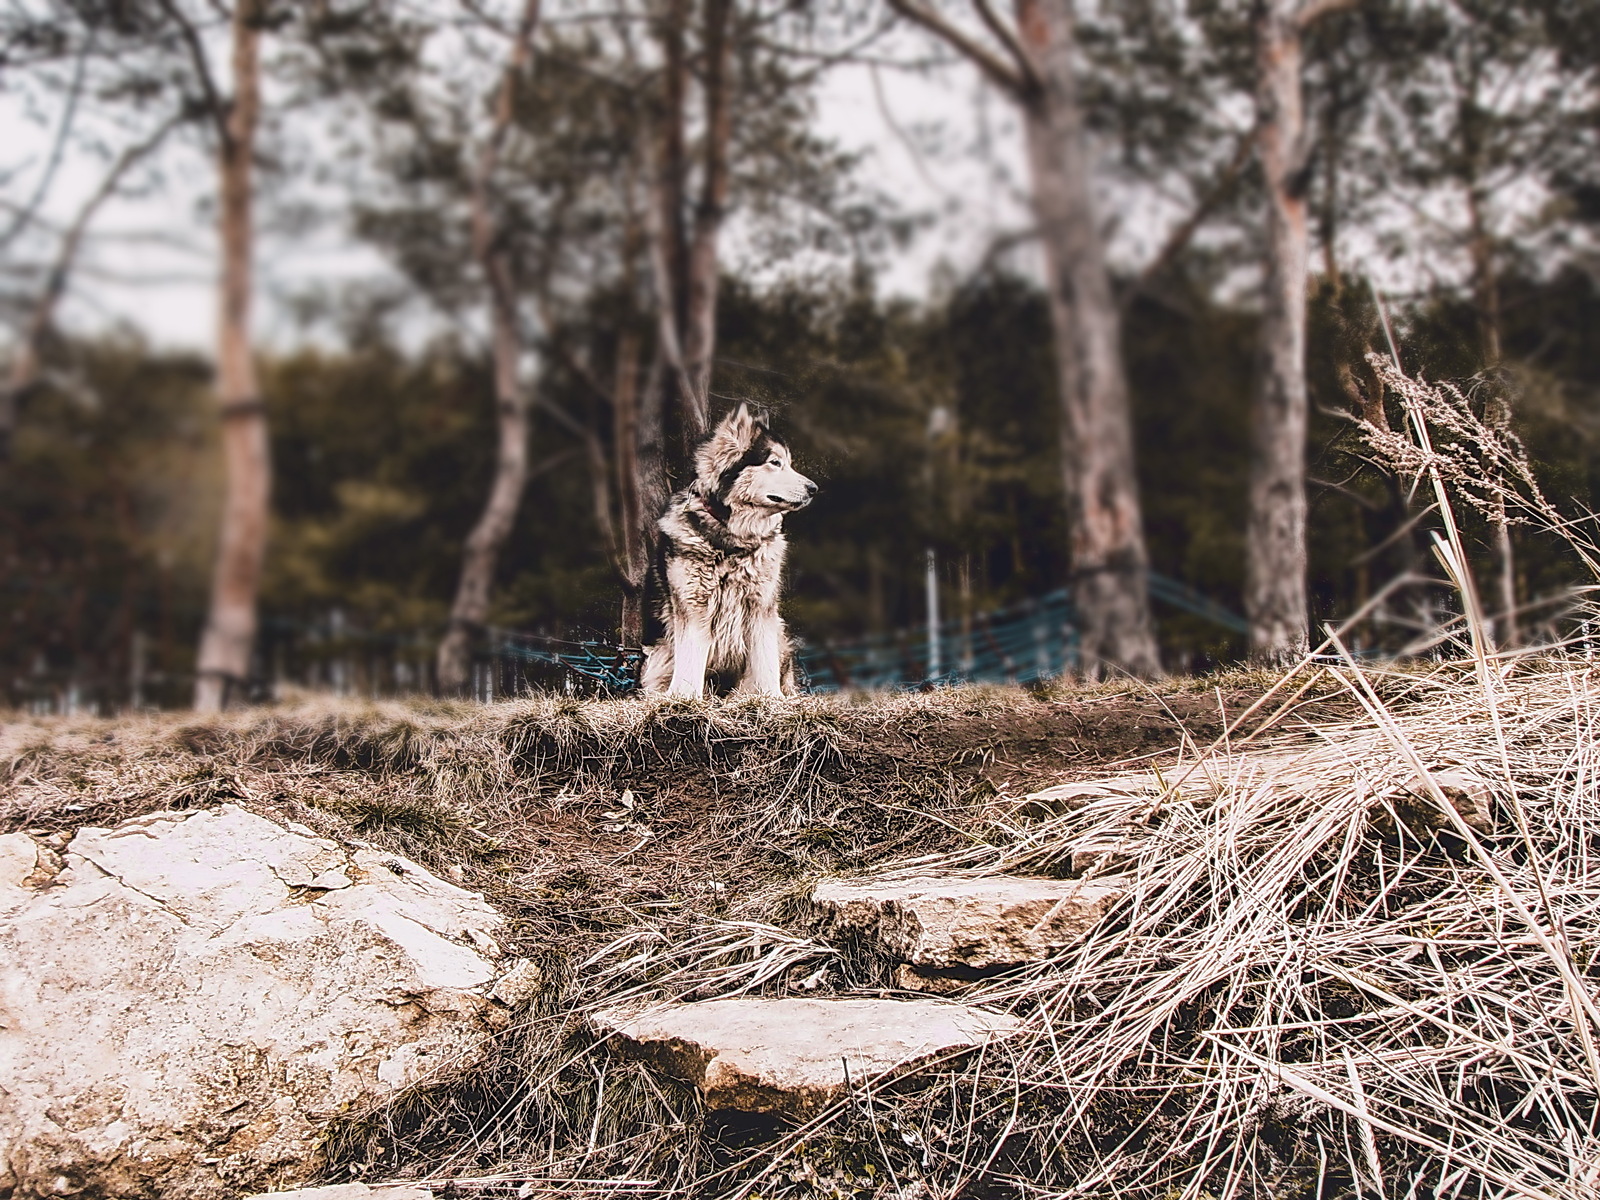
(606, 209)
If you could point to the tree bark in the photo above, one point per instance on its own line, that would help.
(482, 552)
(1110, 567)
(1275, 583)
(700, 318)
(631, 516)
(1486, 299)
(683, 251)
(223, 666)
(667, 230)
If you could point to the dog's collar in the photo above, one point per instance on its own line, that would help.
(712, 527)
(718, 508)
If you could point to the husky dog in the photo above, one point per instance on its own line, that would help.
(721, 556)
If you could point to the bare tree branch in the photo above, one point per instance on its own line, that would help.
(1185, 231)
(1313, 11)
(999, 72)
(902, 136)
(28, 211)
(24, 372)
(1007, 37)
(216, 106)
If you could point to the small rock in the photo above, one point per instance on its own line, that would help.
(1101, 857)
(523, 981)
(1069, 797)
(794, 1056)
(295, 874)
(1419, 811)
(987, 921)
(933, 980)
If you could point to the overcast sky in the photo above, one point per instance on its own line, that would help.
(150, 262)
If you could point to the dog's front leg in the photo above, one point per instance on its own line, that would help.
(691, 647)
(763, 674)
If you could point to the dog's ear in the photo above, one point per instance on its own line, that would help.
(739, 427)
(734, 435)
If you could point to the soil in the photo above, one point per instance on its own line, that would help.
(576, 827)
(1047, 742)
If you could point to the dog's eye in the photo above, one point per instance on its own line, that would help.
(774, 461)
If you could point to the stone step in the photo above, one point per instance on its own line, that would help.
(795, 1056)
(352, 1191)
(969, 922)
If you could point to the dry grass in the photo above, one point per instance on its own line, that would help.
(1301, 995)
(1306, 992)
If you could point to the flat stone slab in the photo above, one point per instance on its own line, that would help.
(352, 1191)
(944, 921)
(756, 1055)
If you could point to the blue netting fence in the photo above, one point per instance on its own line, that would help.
(1033, 640)
(1021, 643)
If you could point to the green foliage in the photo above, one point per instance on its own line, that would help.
(381, 462)
(106, 525)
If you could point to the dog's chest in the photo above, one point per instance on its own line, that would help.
(732, 585)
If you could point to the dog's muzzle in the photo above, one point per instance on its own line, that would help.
(792, 500)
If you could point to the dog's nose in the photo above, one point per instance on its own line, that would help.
(811, 488)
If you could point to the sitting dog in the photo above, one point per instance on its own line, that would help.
(721, 561)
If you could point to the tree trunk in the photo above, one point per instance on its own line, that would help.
(700, 319)
(230, 629)
(1486, 298)
(1485, 276)
(668, 234)
(1275, 584)
(631, 516)
(1110, 567)
(471, 607)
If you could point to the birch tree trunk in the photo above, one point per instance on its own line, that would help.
(1275, 582)
(229, 635)
(1110, 567)
(482, 552)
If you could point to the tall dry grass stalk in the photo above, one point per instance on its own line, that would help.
(1480, 460)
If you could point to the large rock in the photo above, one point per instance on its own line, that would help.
(794, 1056)
(186, 999)
(955, 921)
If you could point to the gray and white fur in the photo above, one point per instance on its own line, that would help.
(722, 551)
